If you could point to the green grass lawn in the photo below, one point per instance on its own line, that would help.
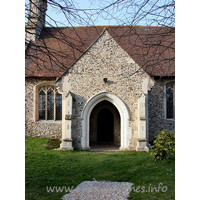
(48, 168)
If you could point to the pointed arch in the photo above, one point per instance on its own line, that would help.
(124, 117)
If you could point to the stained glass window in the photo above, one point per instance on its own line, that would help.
(50, 103)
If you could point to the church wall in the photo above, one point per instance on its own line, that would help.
(38, 128)
(156, 111)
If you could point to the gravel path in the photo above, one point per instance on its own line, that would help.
(89, 190)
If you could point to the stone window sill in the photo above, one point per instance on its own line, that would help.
(49, 121)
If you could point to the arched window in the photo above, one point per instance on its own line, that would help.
(170, 100)
(50, 103)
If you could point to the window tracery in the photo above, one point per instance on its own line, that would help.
(50, 103)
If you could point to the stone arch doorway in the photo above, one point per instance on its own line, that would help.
(123, 113)
(104, 124)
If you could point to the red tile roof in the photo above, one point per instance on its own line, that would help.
(153, 48)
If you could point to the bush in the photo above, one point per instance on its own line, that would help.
(164, 146)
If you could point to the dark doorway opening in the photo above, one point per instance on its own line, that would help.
(105, 126)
